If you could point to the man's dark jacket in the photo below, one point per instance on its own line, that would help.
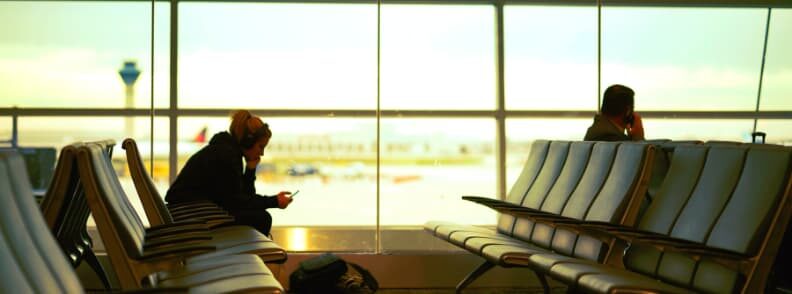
(602, 129)
(215, 173)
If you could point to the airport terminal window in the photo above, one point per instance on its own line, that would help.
(71, 57)
(521, 132)
(289, 57)
(437, 57)
(738, 130)
(550, 57)
(684, 58)
(332, 161)
(6, 128)
(777, 85)
(779, 131)
(430, 163)
(278, 56)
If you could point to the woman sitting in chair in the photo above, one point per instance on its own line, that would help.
(215, 173)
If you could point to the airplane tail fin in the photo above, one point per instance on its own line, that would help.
(201, 136)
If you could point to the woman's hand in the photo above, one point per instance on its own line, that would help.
(283, 199)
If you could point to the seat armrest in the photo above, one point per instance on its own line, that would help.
(521, 211)
(174, 252)
(481, 199)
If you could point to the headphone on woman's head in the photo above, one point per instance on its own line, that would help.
(248, 138)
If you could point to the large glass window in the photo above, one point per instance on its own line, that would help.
(280, 56)
(6, 123)
(684, 58)
(777, 85)
(738, 130)
(431, 163)
(551, 57)
(355, 172)
(68, 54)
(332, 161)
(438, 57)
(779, 131)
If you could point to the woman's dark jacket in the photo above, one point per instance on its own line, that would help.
(215, 173)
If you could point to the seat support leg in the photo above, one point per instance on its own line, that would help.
(475, 274)
(91, 259)
(543, 280)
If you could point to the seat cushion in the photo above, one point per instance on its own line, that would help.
(617, 280)
(511, 254)
(545, 261)
(245, 277)
(447, 232)
(194, 266)
(267, 251)
(477, 243)
(568, 270)
(431, 226)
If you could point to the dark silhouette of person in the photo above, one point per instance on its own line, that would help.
(218, 173)
(617, 120)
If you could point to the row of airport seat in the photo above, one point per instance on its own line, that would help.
(182, 256)
(714, 224)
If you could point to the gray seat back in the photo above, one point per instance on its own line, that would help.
(31, 259)
(536, 195)
(620, 197)
(683, 175)
(716, 183)
(577, 159)
(527, 176)
(597, 170)
(745, 220)
(118, 224)
(740, 196)
(155, 208)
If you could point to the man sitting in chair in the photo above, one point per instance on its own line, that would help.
(616, 121)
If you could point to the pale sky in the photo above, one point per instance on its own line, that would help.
(433, 57)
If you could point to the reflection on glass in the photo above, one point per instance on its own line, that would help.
(268, 55)
(738, 130)
(430, 163)
(520, 134)
(330, 160)
(72, 58)
(438, 57)
(777, 84)
(779, 131)
(684, 58)
(5, 128)
(551, 57)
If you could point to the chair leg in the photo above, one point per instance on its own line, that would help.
(475, 274)
(91, 259)
(543, 280)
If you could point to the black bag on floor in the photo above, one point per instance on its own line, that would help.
(330, 274)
